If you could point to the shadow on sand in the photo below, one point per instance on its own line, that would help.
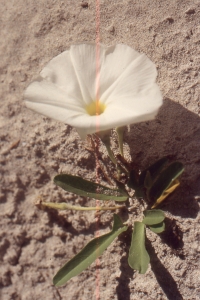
(176, 132)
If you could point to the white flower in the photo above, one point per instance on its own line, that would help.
(95, 92)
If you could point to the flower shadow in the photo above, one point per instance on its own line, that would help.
(175, 132)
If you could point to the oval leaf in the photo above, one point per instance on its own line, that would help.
(152, 217)
(165, 180)
(138, 256)
(88, 254)
(158, 228)
(82, 187)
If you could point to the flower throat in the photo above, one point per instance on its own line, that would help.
(95, 108)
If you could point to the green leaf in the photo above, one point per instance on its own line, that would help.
(138, 257)
(158, 228)
(148, 180)
(167, 192)
(82, 187)
(88, 254)
(154, 169)
(165, 181)
(152, 217)
(134, 184)
(120, 133)
(133, 180)
(139, 193)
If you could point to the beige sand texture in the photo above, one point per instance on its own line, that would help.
(34, 244)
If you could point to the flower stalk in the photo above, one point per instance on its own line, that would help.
(120, 133)
(65, 206)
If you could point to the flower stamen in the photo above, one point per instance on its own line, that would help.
(95, 108)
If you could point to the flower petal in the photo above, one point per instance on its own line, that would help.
(56, 93)
(137, 76)
(49, 100)
(60, 71)
(133, 109)
(117, 59)
(87, 62)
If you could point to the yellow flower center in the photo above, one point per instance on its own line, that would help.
(95, 108)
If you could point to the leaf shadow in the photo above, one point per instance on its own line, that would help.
(175, 132)
(173, 237)
(163, 277)
(122, 289)
(61, 221)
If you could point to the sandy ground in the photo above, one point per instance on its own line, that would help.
(35, 243)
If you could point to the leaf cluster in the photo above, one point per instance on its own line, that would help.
(154, 185)
(156, 182)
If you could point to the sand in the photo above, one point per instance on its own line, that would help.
(34, 244)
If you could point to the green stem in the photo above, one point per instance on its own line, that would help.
(120, 133)
(119, 169)
(65, 206)
(111, 155)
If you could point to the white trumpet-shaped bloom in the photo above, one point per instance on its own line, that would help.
(95, 89)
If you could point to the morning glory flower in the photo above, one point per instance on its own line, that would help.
(96, 92)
